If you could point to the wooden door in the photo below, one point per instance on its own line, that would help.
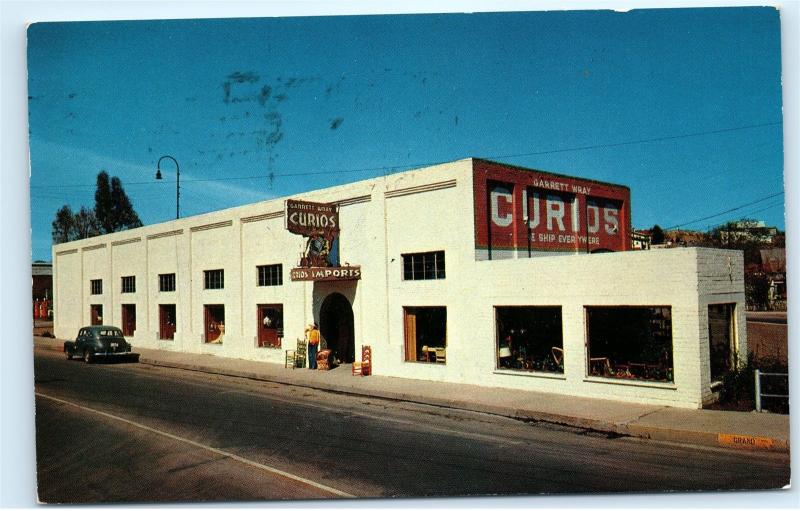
(128, 319)
(411, 334)
(166, 321)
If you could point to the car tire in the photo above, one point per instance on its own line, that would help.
(69, 354)
(87, 356)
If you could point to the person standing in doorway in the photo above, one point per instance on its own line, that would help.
(312, 335)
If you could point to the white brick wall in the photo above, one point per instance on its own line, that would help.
(424, 210)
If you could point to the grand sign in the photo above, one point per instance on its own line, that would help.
(525, 211)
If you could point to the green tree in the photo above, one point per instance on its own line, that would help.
(64, 225)
(123, 214)
(86, 224)
(756, 290)
(104, 203)
(657, 235)
(729, 236)
(112, 212)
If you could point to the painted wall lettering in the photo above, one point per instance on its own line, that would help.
(529, 211)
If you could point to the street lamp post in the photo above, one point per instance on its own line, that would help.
(177, 181)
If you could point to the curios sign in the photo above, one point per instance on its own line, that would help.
(319, 224)
(526, 211)
(310, 218)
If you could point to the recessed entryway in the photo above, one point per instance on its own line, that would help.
(336, 326)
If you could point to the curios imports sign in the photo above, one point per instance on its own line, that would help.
(326, 274)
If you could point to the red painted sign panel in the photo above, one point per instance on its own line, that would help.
(526, 211)
(310, 218)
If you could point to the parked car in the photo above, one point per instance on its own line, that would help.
(99, 342)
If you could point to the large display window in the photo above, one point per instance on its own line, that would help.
(529, 339)
(426, 334)
(630, 343)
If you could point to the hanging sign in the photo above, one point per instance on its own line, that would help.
(319, 224)
(310, 218)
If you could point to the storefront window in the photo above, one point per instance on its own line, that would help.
(214, 324)
(426, 334)
(529, 339)
(270, 325)
(630, 342)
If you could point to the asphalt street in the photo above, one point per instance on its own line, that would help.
(132, 432)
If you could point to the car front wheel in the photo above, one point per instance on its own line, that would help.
(87, 356)
(69, 354)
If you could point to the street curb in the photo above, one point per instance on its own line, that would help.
(723, 440)
(704, 438)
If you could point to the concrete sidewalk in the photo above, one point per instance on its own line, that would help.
(705, 427)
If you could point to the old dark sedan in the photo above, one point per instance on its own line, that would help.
(99, 342)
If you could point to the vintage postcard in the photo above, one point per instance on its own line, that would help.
(425, 255)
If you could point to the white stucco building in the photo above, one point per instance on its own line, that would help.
(470, 271)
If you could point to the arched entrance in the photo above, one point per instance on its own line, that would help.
(336, 326)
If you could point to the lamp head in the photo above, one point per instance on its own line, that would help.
(158, 174)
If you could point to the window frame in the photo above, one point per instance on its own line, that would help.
(96, 286)
(166, 278)
(272, 275)
(627, 372)
(429, 265)
(128, 284)
(719, 367)
(209, 318)
(278, 328)
(162, 321)
(413, 310)
(126, 319)
(552, 363)
(209, 281)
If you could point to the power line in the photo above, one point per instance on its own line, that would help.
(423, 164)
(765, 208)
(726, 211)
(747, 214)
(643, 140)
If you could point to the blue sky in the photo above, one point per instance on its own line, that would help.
(682, 105)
